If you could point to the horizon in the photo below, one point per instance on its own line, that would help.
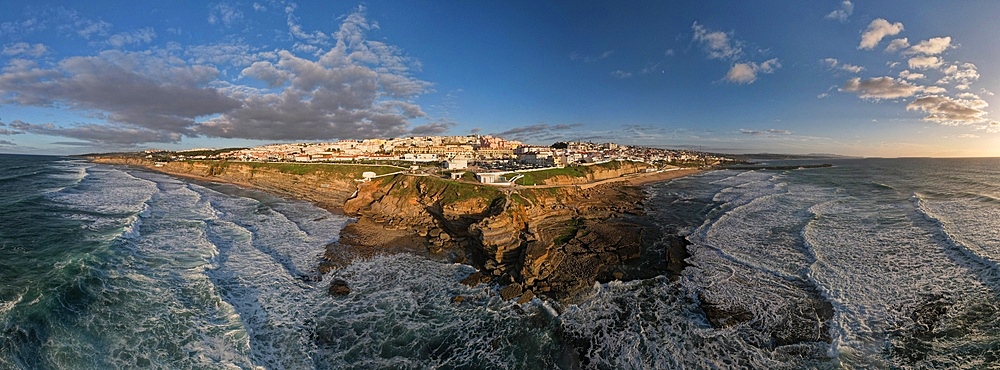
(886, 80)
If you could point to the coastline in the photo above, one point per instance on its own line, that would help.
(572, 235)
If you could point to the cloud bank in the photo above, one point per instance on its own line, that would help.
(354, 88)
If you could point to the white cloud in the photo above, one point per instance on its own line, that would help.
(620, 74)
(910, 76)
(833, 63)
(224, 13)
(924, 62)
(933, 90)
(962, 74)
(746, 73)
(842, 14)
(295, 29)
(897, 45)
(591, 59)
(933, 46)
(769, 132)
(949, 111)
(877, 30)
(718, 44)
(880, 88)
(141, 36)
(23, 48)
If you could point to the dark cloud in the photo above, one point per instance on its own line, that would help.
(356, 88)
(539, 132)
(101, 134)
(433, 128)
(126, 88)
(7, 143)
(7, 131)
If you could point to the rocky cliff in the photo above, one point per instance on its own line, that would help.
(329, 189)
(548, 241)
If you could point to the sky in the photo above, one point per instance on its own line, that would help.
(861, 78)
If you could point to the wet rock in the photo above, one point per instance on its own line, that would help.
(338, 287)
(457, 299)
(476, 278)
(510, 291)
(526, 297)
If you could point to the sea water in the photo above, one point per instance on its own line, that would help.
(114, 267)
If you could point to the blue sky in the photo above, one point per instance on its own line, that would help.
(886, 78)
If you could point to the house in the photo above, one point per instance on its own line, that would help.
(456, 164)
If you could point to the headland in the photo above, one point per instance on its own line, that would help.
(549, 240)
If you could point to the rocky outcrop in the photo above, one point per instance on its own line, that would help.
(533, 241)
(549, 242)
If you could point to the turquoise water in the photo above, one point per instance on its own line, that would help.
(111, 267)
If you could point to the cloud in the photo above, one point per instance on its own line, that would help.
(949, 111)
(137, 37)
(129, 89)
(295, 29)
(897, 45)
(718, 45)
(961, 74)
(765, 132)
(266, 72)
(224, 13)
(925, 62)
(933, 46)
(359, 88)
(910, 76)
(433, 128)
(235, 53)
(590, 59)
(835, 64)
(124, 135)
(23, 48)
(879, 88)
(6, 131)
(7, 143)
(538, 132)
(842, 14)
(620, 74)
(877, 30)
(356, 88)
(746, 73)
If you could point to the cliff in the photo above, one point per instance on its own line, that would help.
(534, 241)
(328, 186)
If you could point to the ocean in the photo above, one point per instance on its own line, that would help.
(105, 267)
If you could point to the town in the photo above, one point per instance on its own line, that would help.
(487, 156)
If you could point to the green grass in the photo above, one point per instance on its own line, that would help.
(338, 170)
(539, 177)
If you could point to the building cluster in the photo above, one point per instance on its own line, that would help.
(458, 152)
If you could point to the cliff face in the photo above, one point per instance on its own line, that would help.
(598, 172)
(329, 190)
(549, 241)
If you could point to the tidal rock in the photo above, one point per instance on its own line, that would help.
(338, 287)
(510, 291)
(526, 297)
(457, 299)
